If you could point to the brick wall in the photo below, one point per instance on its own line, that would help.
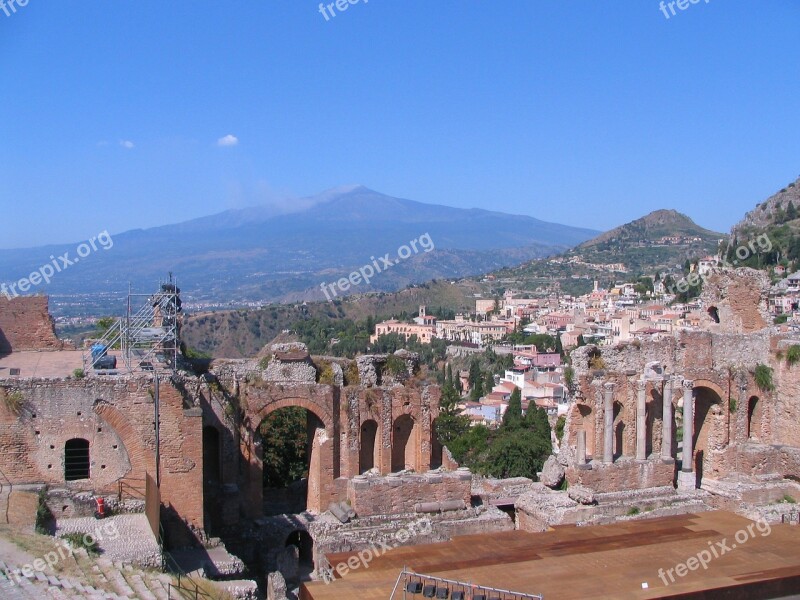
(116, 417)
(25, 324)
(371, 496)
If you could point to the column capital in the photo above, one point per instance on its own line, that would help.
(609, 386)
(641, 385)
(688, 384)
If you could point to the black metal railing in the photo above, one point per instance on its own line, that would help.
(131, 488)
(185, 586)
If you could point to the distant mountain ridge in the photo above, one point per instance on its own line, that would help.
(267, 254)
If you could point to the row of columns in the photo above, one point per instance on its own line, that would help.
(641, 424)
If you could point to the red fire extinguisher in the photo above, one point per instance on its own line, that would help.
(101, 508)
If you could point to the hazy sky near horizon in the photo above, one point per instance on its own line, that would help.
(122, 115)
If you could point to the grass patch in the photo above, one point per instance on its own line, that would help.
(787, 499)
(793, 355)
(633, 511)
(13, 401)
(78, 540)
(763, 378)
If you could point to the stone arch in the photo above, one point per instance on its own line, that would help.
(654, 421)
(404, 443)
(755, 414)
(712, 385)
(369, 449)
(619, 430)
(312, 407)
(587, 424)
(302, 540)
(705, 429)
(324, 464)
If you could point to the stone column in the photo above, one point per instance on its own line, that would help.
(687, 480)
(666, 423)
(608, 427)
(580, 453)
(742, 415)
(641, 420)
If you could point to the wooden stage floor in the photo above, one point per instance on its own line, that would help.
(607, 561)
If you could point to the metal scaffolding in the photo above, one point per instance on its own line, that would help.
(147, 338)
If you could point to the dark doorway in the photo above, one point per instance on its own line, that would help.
(76, 459)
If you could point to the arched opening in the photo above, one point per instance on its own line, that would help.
(619, 430)
(654, 421)
(368, 457)
(704, 400)
(76, 459)
(304, 543)
(587, 424)
(754, 418)
(403, 444)
(287, 442)
(212, 455)
(436, 448)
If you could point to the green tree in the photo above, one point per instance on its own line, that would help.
(512, 418)
(515, 454)
(536, 421)
(284, 435)
(472, 448)
(475, 380)
(450, 424)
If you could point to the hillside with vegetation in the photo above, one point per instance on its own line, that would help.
(770, 232)
(242, 333)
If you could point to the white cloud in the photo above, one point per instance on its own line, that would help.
(228, 140)
(127, 144)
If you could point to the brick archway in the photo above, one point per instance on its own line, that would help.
(320, 401)
(142, 459)
(277, 405)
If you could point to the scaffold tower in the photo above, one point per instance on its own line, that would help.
(147, 338)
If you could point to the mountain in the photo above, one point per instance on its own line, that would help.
(260, 254)
(649, 230)
(656, 243)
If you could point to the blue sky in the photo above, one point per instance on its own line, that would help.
(586, 113)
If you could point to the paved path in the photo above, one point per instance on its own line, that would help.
(122, 538)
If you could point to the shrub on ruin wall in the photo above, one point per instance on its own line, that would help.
(13, 401)
(793, 354)
(325, 374)
(396, 365)
(762, 375)
(351, 376)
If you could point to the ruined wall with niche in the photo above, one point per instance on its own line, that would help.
(116, 416)
(739, 299)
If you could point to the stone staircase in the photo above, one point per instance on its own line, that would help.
(98, 579)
